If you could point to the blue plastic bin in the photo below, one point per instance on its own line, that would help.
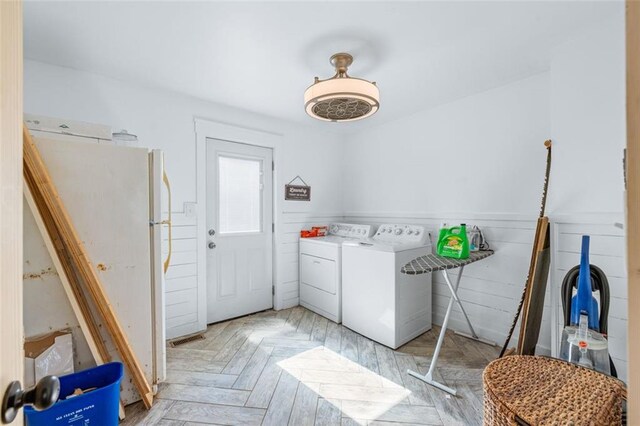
(96, 408)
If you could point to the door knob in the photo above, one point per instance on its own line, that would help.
(212, 245)
(43, 396)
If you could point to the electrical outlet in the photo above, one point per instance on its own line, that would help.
(190, 209)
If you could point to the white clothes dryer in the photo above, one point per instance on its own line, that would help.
(321, 268)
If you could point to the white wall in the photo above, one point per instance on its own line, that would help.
(165, 120)
(588, 123)
(473, 155)
(483, 153)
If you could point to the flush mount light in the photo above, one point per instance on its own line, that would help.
(341, 98)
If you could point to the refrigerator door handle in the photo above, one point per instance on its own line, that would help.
(165, 179)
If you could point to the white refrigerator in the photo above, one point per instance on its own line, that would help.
(118, 199)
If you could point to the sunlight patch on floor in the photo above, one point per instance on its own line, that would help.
(259, 331)
(358, 392)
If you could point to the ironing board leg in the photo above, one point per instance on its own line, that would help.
(454, 294)
(428, 378)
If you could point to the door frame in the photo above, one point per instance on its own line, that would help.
(207, 129)
(11, 112)
(633, 205)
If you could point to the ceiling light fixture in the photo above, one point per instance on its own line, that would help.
(341, 98)
(124, 136)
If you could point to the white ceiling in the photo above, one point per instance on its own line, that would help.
(261, 56)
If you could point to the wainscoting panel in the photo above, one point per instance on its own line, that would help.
(181, 280)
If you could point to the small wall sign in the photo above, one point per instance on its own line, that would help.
(297, 192)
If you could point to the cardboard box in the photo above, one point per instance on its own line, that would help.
(45, 355)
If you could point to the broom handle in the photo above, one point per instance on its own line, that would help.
(543, 206)
(545, 187)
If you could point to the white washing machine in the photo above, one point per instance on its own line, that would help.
(321, 268)
(377, 300)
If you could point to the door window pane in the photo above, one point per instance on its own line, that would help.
(239, 195)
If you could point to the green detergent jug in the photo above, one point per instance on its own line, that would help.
(453, 242)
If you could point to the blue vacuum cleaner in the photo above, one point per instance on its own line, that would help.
(584, 303)
(584, 339)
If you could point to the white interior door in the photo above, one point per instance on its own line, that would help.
(11, 329)
(239, 229)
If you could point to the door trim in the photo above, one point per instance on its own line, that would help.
(11, 84)
(207, 129)
(633, 205)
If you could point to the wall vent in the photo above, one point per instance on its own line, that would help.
(184, 340)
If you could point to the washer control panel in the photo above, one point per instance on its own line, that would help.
(350, 230)
(401, 233)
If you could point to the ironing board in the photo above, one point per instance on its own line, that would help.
(432, 263)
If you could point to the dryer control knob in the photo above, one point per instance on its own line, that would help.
(398, 231)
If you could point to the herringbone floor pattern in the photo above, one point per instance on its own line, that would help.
(294, 367)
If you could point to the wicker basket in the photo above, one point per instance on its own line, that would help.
(521, 390)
